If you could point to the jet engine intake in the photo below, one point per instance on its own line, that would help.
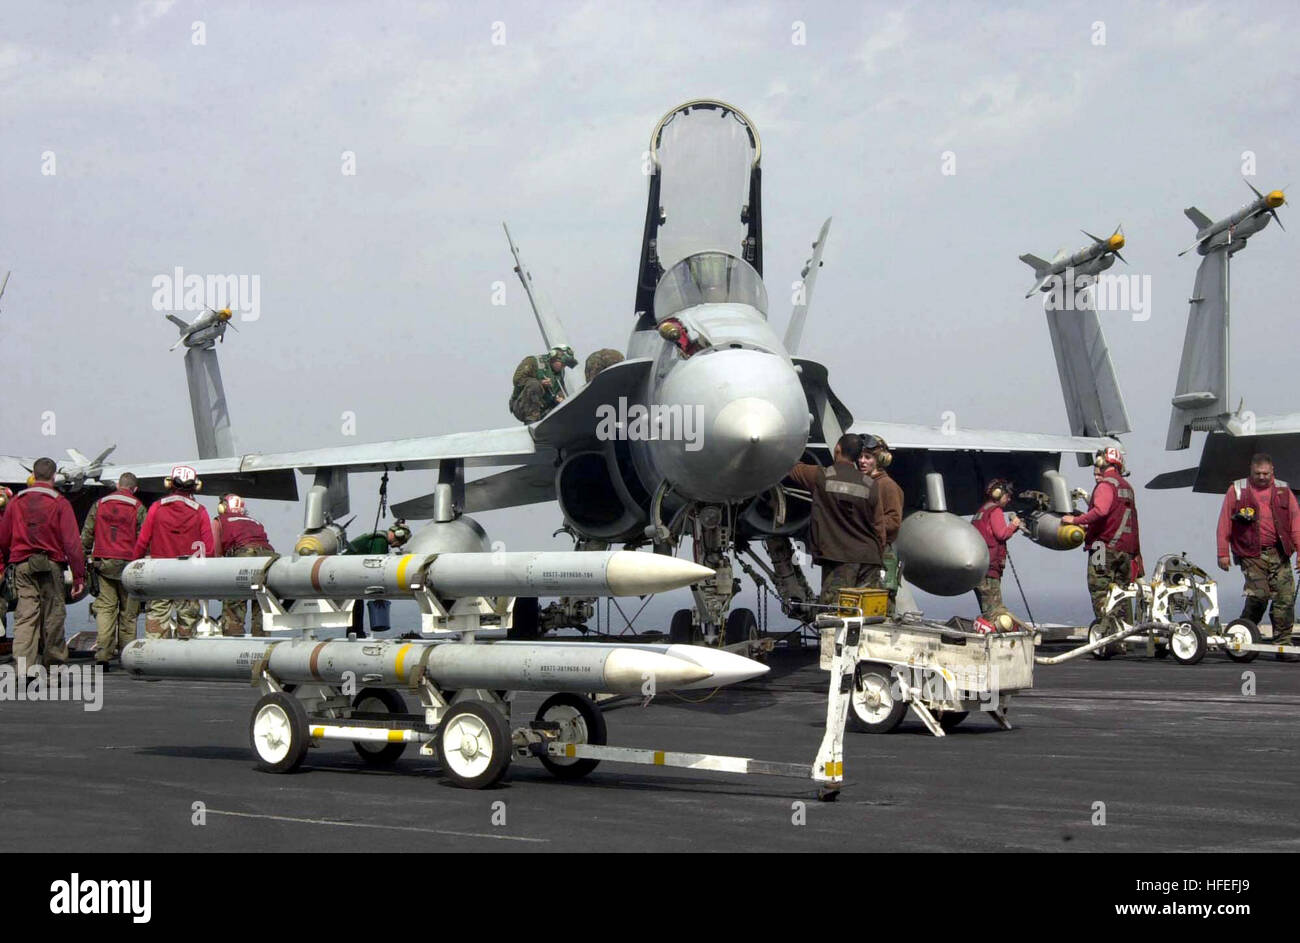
(595, 499)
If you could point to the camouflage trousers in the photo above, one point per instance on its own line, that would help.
(791, 584)
(158, 617)
(532, 401)
(989, 594)
(39, 616)
(1269, 579)
(234, 611)
(116, 614)
(838, 576)
(1107, 567)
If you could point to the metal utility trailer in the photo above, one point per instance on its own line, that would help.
(941, 673)
(1174, 614)
(471, 734)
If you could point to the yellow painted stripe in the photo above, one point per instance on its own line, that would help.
(318, 731)
(659, 757)
(401, 662)
(394, 735)
(401, 570)
(569, 750)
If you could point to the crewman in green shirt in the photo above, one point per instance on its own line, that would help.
(539, 383)
(374, 544)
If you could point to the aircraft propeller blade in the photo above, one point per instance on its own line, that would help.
(1252, 188)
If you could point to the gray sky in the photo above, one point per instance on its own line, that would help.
(376, 288)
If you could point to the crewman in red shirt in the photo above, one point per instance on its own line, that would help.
(996, 529)
(1110, 524)
(176, 527)
(235, 533)
(38, 535)
(108, 537)
(1260, 523)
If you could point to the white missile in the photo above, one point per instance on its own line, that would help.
(514, 666)
(447, 575)
(723, 667)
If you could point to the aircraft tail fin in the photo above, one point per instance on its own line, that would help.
(1040, 266)
(1201, 396)
(794, 332)
(212, 432)
(1093, 400)
(547, 322)
(1199, 219)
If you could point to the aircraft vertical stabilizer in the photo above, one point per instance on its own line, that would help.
(1202, 391)
(1093, 399)
(212, 432)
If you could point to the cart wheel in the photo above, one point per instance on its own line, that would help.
(873, 706)
(379, 701)
(681, 632)
(951, 719)
(278, 732)
(1095, 631)
(742, 626)
(1187, 643)
(1245, 631)
(474, 744)
(580, 722)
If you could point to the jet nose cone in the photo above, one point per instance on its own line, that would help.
(752, 424)
(753, 444)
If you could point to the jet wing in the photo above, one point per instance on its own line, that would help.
(271, 475)
(906, 436)
(527, 484)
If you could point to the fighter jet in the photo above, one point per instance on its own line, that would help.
(693, 434)
(1234, 230)
(203, 330)
(1090, 260)
(83, 473)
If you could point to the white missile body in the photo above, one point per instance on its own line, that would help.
(583, 667)
(447, 575)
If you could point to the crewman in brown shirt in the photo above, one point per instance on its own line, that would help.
(846, 536)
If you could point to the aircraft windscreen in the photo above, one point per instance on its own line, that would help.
(705, 155)
(708, 278)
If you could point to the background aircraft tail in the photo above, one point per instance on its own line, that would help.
(1093, 399)
(1201, 396)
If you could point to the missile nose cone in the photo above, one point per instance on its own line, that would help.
(723, 667)
(630, 573)
(628, 670)
(1070, 536)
